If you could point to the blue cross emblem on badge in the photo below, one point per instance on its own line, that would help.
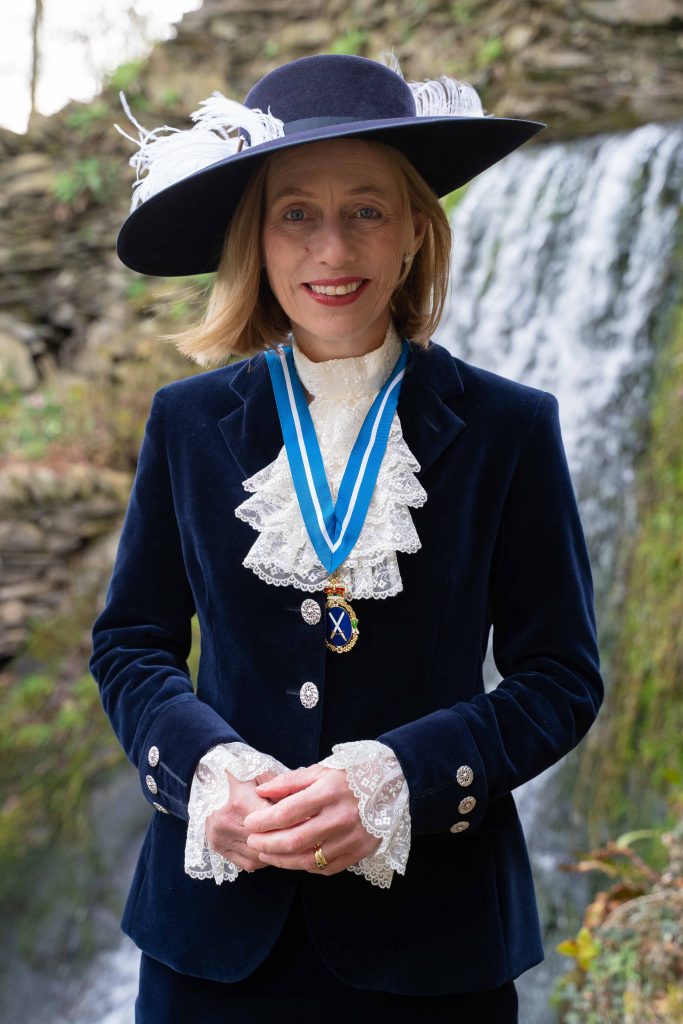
(341, 624)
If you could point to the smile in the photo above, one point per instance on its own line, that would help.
(337, 293)
(340, 289)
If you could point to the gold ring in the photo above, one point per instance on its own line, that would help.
(320, 860)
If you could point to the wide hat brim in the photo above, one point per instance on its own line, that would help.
(180, 230)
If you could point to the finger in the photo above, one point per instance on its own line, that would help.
(336, 856)
(294, 840)
(334, 846)
(291, 810)
(290, 782)
(265, 777)
(246, 863)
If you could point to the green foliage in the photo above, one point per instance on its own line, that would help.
(352, 42)
(489, 52)
(54, 743)
(450, 201)
(179, 309)
(99, 421)
(462, 11)
(171, 96)
(32, 421)
(126, 76)
(271, 49)
(136, 289)
(83, 117)
(628, 963)
(89, 179)
(635, 754)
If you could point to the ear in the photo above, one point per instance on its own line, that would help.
(420, 222)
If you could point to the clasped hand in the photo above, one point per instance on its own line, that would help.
(277, 820)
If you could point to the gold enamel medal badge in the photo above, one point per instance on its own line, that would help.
(341, 624)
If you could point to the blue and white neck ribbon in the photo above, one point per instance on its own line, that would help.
(333, 529)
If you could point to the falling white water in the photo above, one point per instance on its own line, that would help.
(562, 259)
(561, 271)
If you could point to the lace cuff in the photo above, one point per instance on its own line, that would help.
(211, 790)
(375, 777)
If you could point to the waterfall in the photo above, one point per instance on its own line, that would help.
(561, 270)
(560, 266)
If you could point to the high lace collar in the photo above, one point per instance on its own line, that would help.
(350, 377)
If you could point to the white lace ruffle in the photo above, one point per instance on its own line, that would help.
(376, 779)
(374, 776)
(282, 554)
(210, 790)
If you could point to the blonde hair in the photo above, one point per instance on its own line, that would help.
(243, 315)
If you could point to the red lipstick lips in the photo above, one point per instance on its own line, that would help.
(336, 300)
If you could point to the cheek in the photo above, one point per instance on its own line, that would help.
(278, 258)
(389, 248)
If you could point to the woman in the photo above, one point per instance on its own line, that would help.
(332, 744)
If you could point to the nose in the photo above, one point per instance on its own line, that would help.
(332, 243)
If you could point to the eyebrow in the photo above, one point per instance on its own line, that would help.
(292, 190)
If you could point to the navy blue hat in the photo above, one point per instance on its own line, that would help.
(182, 207)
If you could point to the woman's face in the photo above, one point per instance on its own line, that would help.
(334, 221)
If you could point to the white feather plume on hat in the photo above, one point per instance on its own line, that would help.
(167, 159)
(440, 97)
(163, 160)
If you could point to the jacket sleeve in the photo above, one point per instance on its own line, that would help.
(460, 759)
(142, 638)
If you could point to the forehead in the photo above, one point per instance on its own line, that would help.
(349, 163)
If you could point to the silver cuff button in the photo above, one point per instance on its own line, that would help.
(153, 756)
(460, 826)
(467, 804)
(151, 784)
(159, 807)
(464, 775)
(308, 695)
(310, 611)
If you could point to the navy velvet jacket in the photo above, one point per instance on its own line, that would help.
(502, 548)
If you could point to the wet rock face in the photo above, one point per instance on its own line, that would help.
(48, 517)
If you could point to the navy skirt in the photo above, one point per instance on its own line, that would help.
(293, 984)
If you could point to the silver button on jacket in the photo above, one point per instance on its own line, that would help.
(151, 784)
(467, 804)
(460, 826)
(153, 756)
(308, 694)
(464, 775)
(310, 611)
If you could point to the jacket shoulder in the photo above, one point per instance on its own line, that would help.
(496, 387)
(492, 395)
(210, 388)
(482, 392)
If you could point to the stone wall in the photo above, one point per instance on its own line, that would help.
(48, 519)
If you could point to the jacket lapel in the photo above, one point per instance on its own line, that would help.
(252, 430)
(429, 392)
(429, 422)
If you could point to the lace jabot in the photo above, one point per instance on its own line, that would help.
(350, 378)
(342, 392)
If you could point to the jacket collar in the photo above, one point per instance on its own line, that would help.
(426, 408)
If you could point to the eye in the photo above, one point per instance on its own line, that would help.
(295, 214)
(367, 213)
